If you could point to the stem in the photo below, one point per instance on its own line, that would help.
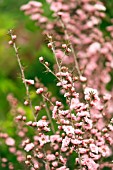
(47, 100)
(48, 114)
(49, 70)
(22, 73)
(72, 49)
(53, 50)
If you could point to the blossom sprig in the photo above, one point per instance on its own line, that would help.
(25, 81)
(83, 124)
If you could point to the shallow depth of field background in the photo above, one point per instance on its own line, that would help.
(32, 45)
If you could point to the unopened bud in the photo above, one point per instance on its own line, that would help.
(29, 157)
(34, 124)
(83, 79)
(24, 118)
(19, 117)
(68, 50)
(37, 108)
(14, 37)
(26, 103)
(50, 45)
(64, 45)
(46, 63)
(39, 91)
(27, 162)
(41, 59)
(44, 117)
(29, 123)
(29, 82)
(10, 42)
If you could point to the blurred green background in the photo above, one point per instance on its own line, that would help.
(31, 46)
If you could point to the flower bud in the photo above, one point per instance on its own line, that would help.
(50, 45)
(10, 42)
(14, 37)
(41, 59)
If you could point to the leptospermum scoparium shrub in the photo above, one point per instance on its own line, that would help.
(78, 134)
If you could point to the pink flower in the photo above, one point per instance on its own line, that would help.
(25, 7)
(55, 163)
(29, 147)
(63, 112)
(66, 122)
(37, 108)
(83, 79)
(107, 96)
(83, 150)
(12, 149)
(63, 160)
(35, 4)
(65, 142)
(40, 155)
(43, 139)
(56, 6)
(10, 141)
(50, 157)
(62, 168)
(94, 156)
(54, 138)
(94, 47)
(63, 82)
(83, 113)
(76, 141)
(68, 129)
(54, 112)
(74, 103)
(110, 127)
(42, 123)
(36, 17)
(93, 148)
(91, 94)
(78, 131)
(91, 164)
(105, 150)
(88, 122)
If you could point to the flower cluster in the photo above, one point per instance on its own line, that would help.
(77, 23)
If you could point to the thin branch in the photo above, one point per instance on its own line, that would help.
(72, 49)
(49, 70)
(22, 72)
(48, 114)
